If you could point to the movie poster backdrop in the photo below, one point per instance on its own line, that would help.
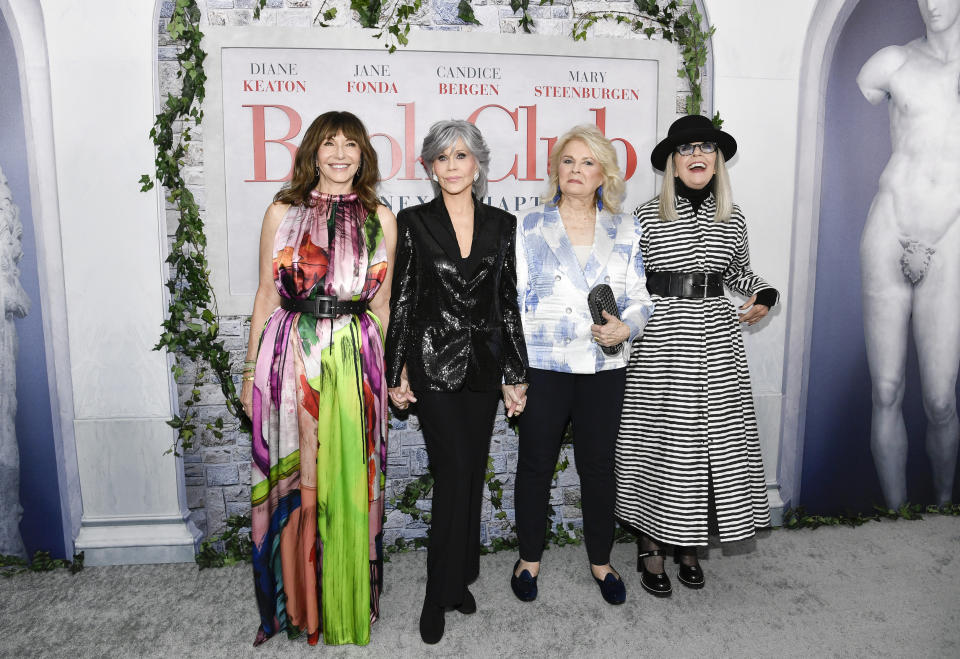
(266, 88)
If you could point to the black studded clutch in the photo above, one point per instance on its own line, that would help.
(600, 299)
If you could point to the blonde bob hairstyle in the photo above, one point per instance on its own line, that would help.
(721, 191)
(603, 152)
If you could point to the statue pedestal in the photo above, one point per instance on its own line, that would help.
(132, 494)
(135, 540)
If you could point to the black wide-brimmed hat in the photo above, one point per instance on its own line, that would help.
(691, 128)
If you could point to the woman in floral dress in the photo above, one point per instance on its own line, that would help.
(314, 388)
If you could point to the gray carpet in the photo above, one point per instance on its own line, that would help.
(886, 589)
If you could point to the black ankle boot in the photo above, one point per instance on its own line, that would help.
(469, 604)
(431, 622)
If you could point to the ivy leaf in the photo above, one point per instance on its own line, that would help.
(328, 16)
(465, 13)
(368, 11)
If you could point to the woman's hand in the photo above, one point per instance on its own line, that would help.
(514, 398)
(402, 396)
(613, 332)
(756, 313)
(246, 398)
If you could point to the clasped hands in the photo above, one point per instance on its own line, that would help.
(402, 396)
(514, 395)
(614, 332)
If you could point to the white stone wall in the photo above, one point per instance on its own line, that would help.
(217, 470)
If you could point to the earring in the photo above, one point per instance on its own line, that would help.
(599, 197)
(476, 175)
(316, 173)
(435, 177)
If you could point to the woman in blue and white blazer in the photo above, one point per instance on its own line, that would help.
(576, 242)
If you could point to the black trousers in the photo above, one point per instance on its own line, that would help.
(456, 429)
(593, 402)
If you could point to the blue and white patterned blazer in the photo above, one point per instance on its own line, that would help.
(553, 289)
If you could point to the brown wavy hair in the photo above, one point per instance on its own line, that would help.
(305, 177)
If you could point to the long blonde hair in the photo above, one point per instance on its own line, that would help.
(721, 191)
(601, 148)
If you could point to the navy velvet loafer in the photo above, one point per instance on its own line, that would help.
(612, 589)
(523, 586)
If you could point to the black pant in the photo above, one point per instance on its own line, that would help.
(456, 429)
(594, 402)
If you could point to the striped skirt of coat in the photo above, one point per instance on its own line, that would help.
(688, 426)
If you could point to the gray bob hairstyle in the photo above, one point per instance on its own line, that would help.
(442, 136)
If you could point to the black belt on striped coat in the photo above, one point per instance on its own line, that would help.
(685, 284)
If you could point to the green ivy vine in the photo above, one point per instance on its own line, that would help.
(232, 546)
(675, 24)
(41, 562)
(798, 518)
(191, 330)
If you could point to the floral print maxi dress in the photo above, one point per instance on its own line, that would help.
(319, 430)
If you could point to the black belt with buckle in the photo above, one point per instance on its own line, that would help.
(685, 284)
(325, 306)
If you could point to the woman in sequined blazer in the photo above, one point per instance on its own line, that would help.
(453, 344)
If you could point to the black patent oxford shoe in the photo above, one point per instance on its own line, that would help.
(657, 585)
(523, 586)
(612, 588)
(690, 576)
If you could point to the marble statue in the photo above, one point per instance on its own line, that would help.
(15, 304)
(910, 248)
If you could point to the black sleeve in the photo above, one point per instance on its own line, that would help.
(514, 345)
(767, 297)
(403, 297)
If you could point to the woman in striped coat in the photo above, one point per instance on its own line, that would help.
(688, 448)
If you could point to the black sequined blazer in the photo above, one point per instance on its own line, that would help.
(455, 322)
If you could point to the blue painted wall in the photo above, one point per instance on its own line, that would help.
(838, 472)
(41, 527)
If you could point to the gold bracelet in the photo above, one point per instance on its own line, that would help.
(246, 378)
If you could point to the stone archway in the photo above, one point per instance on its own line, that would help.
(826, 26)
(24, 19)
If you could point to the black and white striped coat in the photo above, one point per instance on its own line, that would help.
(688, 420)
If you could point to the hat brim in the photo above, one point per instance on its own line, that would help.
(660, 153)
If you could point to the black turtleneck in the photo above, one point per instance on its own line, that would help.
(695, 197)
